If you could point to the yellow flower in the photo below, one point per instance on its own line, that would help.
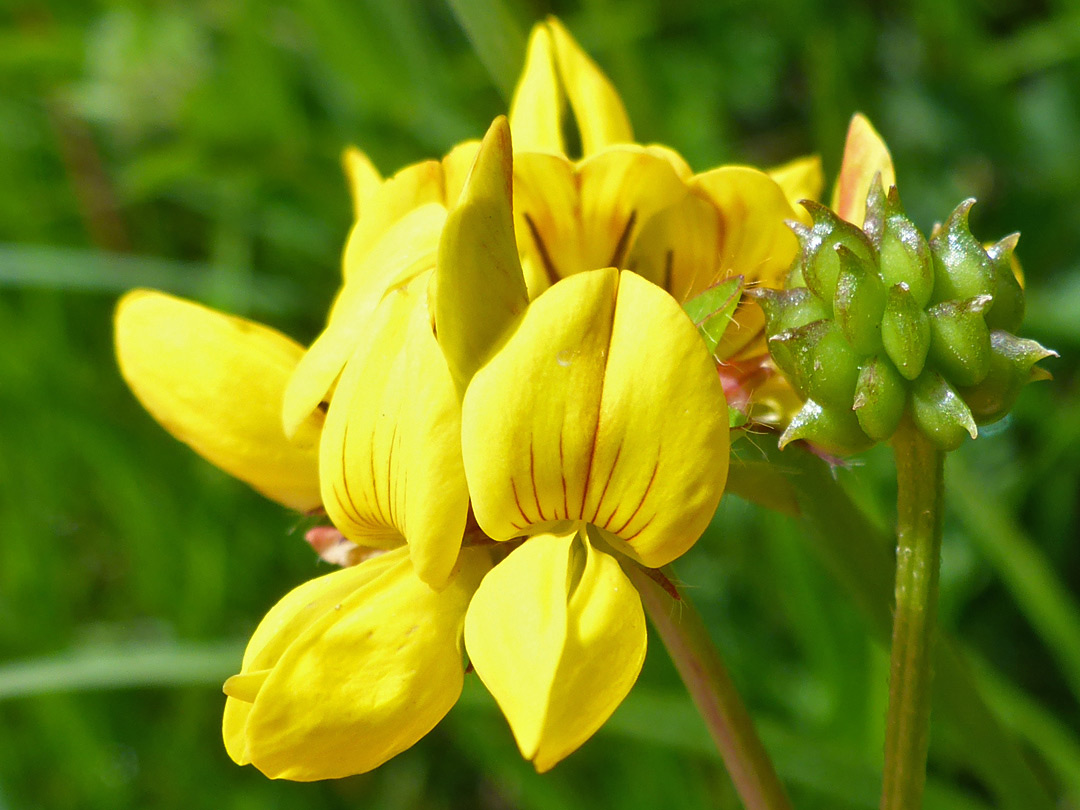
(372, 653)
(567, 400)
(216, 382)
(640, 207)
(350, 669)
(594, 425)
(392, 242)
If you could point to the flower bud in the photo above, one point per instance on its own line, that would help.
(859, 302)
(905, 331)
(939, 412)
(880, 397)
(1012, 362)
(835, 430)
(1007, 311)
(960, 341)
(961, 266)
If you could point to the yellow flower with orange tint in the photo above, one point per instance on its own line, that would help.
(507, 406)
(641, 208)
(594, 435)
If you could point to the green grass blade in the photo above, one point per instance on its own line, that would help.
(72, 270)
(162, 664)
(496, 36)
(1023, 568)
(1041, 729)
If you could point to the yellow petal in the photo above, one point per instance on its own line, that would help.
(547, 220)
(677, 161)
(391, 448)
(598, 110)
(478, 286)
(364, 179)
(412, 187)
(456, 167)
(536, 109)
(405, 251)
(622, 424)
(216, 382)
(621, 189)
(368, 661)
(557, 634)
(801, 179)
(234, 730)
(679, 248)
(757, 243)
(865, 155)
(571, 219)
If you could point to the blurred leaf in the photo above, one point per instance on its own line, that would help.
(496, 36)
(1042, 730)
(161, 664)
(75, 270)
(1023, 568)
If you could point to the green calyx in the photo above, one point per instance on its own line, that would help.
(880, 322)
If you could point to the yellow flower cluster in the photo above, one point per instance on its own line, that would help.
(507, 406)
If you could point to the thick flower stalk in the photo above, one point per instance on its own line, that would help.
(891, 336)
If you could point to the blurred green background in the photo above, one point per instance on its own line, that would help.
(194, 146)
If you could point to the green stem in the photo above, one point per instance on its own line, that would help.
(920, 499)
(698, 661)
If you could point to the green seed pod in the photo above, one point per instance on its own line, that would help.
(859, 302)
(793, 350)
(960, 341)
(1007, 311)
(821, 265)
(905, 254)
(939, 412)
(835, 430)
(834, 372)
(961, 267)
(787, 309)
(879, 325)
(880, 397)
(905, 331)
(1012, 361)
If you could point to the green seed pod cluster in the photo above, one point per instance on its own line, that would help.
(880, 322)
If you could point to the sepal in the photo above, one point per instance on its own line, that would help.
(1007, 311)
(860, 302)
(939, 413)
(1011, 367)
(905, 331)
(835, 430)
(961, 267)
(794, 349)
(787, 309)
(820, 262)
(960, 341)
(905, 254)
(880, 398)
